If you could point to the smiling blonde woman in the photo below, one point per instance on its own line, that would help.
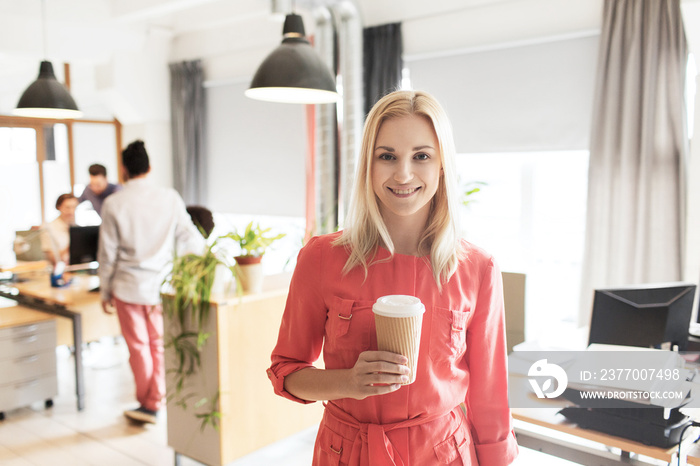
(401, 238)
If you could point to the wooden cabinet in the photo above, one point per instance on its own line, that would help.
(234, 362)
(27, 357)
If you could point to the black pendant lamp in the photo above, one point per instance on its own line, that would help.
(293, 72)
(46, 97)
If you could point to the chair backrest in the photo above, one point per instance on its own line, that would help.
(29, 247)
(514, 300)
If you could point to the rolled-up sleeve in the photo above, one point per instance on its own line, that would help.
(487, 396)
(301, 332)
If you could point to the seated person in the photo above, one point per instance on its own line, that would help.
(98, 188)
(55, 237)
(202, 219)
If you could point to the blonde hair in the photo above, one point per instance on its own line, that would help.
(365, 229)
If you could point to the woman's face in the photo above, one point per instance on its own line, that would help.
(67, 210)
(406, 168)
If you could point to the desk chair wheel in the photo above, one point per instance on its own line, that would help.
(48, 403)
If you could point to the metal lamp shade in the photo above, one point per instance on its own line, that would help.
(293, 72)
(47, 98)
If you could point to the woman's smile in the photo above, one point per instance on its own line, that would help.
(403, 192)
(406, 169)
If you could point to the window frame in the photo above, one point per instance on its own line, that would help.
(39, 125)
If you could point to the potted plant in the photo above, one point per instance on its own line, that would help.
(253, 243)
(186, 305)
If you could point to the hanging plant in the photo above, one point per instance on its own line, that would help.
(187, 307)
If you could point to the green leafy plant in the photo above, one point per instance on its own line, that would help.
(211, 417)
(190, 283)
(469, 190)
(254, 241)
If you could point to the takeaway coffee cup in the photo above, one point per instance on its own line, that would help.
(398, 319)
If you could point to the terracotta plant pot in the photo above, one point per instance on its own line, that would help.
(246, 260)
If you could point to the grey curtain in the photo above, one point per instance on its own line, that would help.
(188, 111)
(382, 62)
(636, 187)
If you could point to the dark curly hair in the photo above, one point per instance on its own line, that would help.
(135, 159)
(202, 219)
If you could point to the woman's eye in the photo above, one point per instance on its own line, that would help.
(386, 156)
(422, 156)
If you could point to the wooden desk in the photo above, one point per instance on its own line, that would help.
(693, 455)
(548, 418)
(76, 297)
(25, 266)
(74, 302)
(234, 362)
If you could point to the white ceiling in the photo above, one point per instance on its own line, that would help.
(88, 29)
(233, 36)
(91, 29)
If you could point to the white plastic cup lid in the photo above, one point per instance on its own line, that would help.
(398, 305)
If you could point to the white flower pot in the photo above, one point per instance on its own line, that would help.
(250, 274)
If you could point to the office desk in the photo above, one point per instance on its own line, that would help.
(26, 266)
(693, 455)
(74, 302)
(75, 297)
(582, 454)
(574, 449)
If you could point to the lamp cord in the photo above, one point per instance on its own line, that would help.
(680, 441)
(43, 23)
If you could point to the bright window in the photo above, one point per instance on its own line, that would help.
(19, 170)
(530, 214)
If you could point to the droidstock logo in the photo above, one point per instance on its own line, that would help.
(540, 369)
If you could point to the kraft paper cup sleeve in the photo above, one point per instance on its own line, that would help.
(398, 320)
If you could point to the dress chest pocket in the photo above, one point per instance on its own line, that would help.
(448, 333)
(349, 332)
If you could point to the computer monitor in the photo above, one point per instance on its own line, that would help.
(83, 244)
(644, 315)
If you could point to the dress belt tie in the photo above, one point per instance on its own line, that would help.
(380, 449)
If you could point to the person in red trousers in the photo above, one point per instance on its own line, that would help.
(142, 225)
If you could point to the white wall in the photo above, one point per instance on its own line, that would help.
(257, 154)
(531, 97)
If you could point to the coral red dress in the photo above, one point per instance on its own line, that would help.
(462, 359)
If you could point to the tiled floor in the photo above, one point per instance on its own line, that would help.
(99, 435)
